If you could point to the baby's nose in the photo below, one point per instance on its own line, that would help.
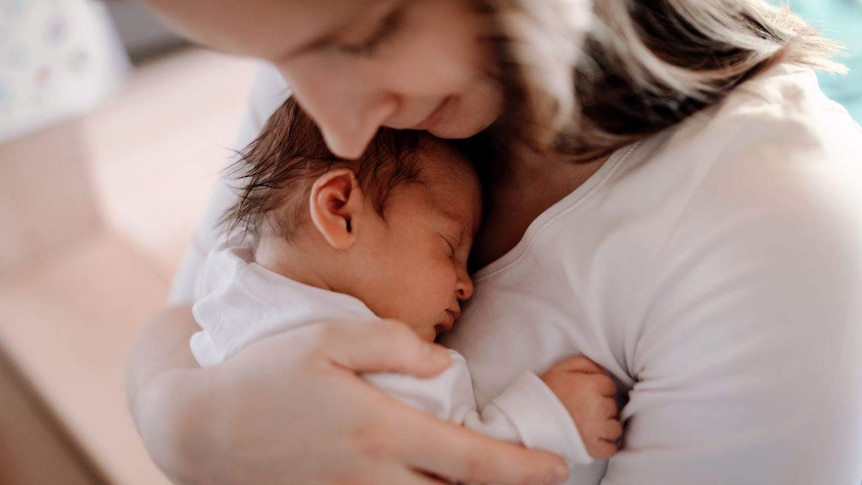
(464, 289)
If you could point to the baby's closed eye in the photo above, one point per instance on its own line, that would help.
(451, 244)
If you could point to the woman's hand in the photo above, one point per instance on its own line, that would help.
(290, 409)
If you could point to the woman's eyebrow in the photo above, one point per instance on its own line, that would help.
(330, 37)
(324, 40)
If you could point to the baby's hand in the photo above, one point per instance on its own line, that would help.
(588, 394)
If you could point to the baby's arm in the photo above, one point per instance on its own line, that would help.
(528, 411)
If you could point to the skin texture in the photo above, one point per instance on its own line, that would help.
(357, 65)
(417, 249)
(589, 395)
(426, 235)
(352, 76)
(373, 438)
(348, 75)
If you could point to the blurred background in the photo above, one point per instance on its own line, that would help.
(112, 133)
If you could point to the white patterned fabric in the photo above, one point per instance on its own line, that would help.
(57, 59)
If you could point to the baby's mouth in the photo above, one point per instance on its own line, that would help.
(449, 323)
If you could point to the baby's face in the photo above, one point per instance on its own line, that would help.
(416, 258)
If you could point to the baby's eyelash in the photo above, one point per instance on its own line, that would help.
(452, 246)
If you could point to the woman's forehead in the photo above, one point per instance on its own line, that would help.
(272, 29)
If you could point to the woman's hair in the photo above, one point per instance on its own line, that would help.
(642, 66)
(276, 172)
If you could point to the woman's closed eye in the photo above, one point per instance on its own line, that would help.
(368, 47)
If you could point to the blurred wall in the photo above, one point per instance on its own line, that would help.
(142, 34)
(840, 20)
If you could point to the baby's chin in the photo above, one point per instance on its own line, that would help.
(426, 333)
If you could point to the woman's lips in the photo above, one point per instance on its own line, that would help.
(434, 117)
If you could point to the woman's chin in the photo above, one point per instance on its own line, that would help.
(460, 123)
(458, 130)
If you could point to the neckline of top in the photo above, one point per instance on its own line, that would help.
(573, 199)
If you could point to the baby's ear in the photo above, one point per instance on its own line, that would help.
(335, 201)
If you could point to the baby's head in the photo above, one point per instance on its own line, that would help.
(393, 228)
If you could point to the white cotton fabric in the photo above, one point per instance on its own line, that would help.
(714, 269)
(240, 302)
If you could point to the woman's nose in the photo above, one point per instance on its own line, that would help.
(347, 110)
(348, 129)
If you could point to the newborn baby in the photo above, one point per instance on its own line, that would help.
(386, 236)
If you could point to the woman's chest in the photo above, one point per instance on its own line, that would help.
(508, 213)
(504, 224)
(549, 299)
(518, 199)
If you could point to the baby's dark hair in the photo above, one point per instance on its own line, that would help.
(277, 171)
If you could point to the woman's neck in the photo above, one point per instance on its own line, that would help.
(522, 190)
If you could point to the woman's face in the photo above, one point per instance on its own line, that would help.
(356, 65)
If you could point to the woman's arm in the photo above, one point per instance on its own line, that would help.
(290, 409)
(747, 359)
(159, 364)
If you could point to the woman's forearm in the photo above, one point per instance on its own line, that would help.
(291, 409)
(162, 384)
(161, 346)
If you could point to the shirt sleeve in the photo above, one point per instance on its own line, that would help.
(748, 361)
(527, 412)
(269, 90)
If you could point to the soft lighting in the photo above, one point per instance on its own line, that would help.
(57, 59)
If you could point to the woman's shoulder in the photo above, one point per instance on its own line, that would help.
(753, 292)
(776, 141)
(765, 233)
(785, 109)
(769, 181)
(780, 120)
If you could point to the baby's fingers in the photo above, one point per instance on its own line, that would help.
(613, 430)
(577, 364)
(609, 408)
(605, 386)
(605, 439)
(602, 449)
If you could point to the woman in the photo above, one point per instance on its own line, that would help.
(672, 197)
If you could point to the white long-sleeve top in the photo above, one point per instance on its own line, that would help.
(241, 302)
(714, 269)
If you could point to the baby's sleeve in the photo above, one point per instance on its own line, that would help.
(527, 412)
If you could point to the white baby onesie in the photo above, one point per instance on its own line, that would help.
(240, 302)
